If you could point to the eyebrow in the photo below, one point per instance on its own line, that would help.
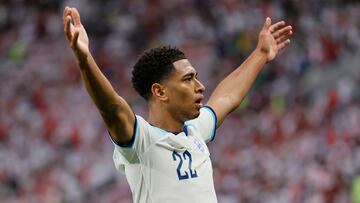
(191, 73)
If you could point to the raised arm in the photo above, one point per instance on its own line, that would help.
(115, 111)
(231, 91)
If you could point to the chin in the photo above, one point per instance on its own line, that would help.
(192, 114)
(196, 114)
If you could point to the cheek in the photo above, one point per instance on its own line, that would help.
(183, 96)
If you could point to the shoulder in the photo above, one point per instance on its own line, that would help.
(206, 114)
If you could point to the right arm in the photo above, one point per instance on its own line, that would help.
(114, 110)
(228, 95)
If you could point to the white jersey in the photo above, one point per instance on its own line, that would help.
(163, 166)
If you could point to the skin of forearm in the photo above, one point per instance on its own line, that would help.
(97, 85)
(231, 91)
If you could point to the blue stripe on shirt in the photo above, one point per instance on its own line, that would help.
(131, 143)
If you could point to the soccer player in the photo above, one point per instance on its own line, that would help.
(165, 158)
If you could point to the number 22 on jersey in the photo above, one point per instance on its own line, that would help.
(184, 161)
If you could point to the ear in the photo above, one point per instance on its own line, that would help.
(159, 91)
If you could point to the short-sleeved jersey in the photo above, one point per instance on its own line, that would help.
(163, 166)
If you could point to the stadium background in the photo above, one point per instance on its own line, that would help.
(295, 138)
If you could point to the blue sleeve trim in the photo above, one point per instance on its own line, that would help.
(131, 143)
(185, 129)
(215, 120)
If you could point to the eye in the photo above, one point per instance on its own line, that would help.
(196, 76)
(187, 79)
(190, 77)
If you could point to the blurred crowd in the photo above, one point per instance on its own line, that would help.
(294, 139)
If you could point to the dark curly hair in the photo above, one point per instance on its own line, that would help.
(153, 66)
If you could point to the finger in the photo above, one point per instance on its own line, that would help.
(76, 17)
(67, 28)
(75, 38)
(282, 31)
(276, 26)
(267, 23)
(66, 13)
(282, 38)
(284, 44)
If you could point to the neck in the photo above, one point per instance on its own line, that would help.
(160, 117)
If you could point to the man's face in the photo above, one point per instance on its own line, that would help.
(184, 91)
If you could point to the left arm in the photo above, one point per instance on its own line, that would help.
(230, 92)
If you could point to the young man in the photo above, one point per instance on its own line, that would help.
(165, 158)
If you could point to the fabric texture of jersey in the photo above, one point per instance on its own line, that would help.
(163, 166)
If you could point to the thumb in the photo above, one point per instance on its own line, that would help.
(267, 23)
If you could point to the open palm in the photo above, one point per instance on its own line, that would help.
(75, 32)
(273, 38)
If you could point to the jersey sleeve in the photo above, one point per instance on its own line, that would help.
(205, 123)
(128, 154)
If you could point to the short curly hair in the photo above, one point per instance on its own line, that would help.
(153, 66)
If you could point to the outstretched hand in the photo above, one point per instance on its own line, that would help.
(75, 32)
(273, 38)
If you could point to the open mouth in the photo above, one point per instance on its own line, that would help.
(198, 101)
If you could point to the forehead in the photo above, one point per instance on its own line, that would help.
(183, 67)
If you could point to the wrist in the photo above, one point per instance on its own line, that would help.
(261, 55)
(84, 60)
(82, 57)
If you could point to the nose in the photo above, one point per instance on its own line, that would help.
(200, 88)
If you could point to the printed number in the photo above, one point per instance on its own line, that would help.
(187, 157)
